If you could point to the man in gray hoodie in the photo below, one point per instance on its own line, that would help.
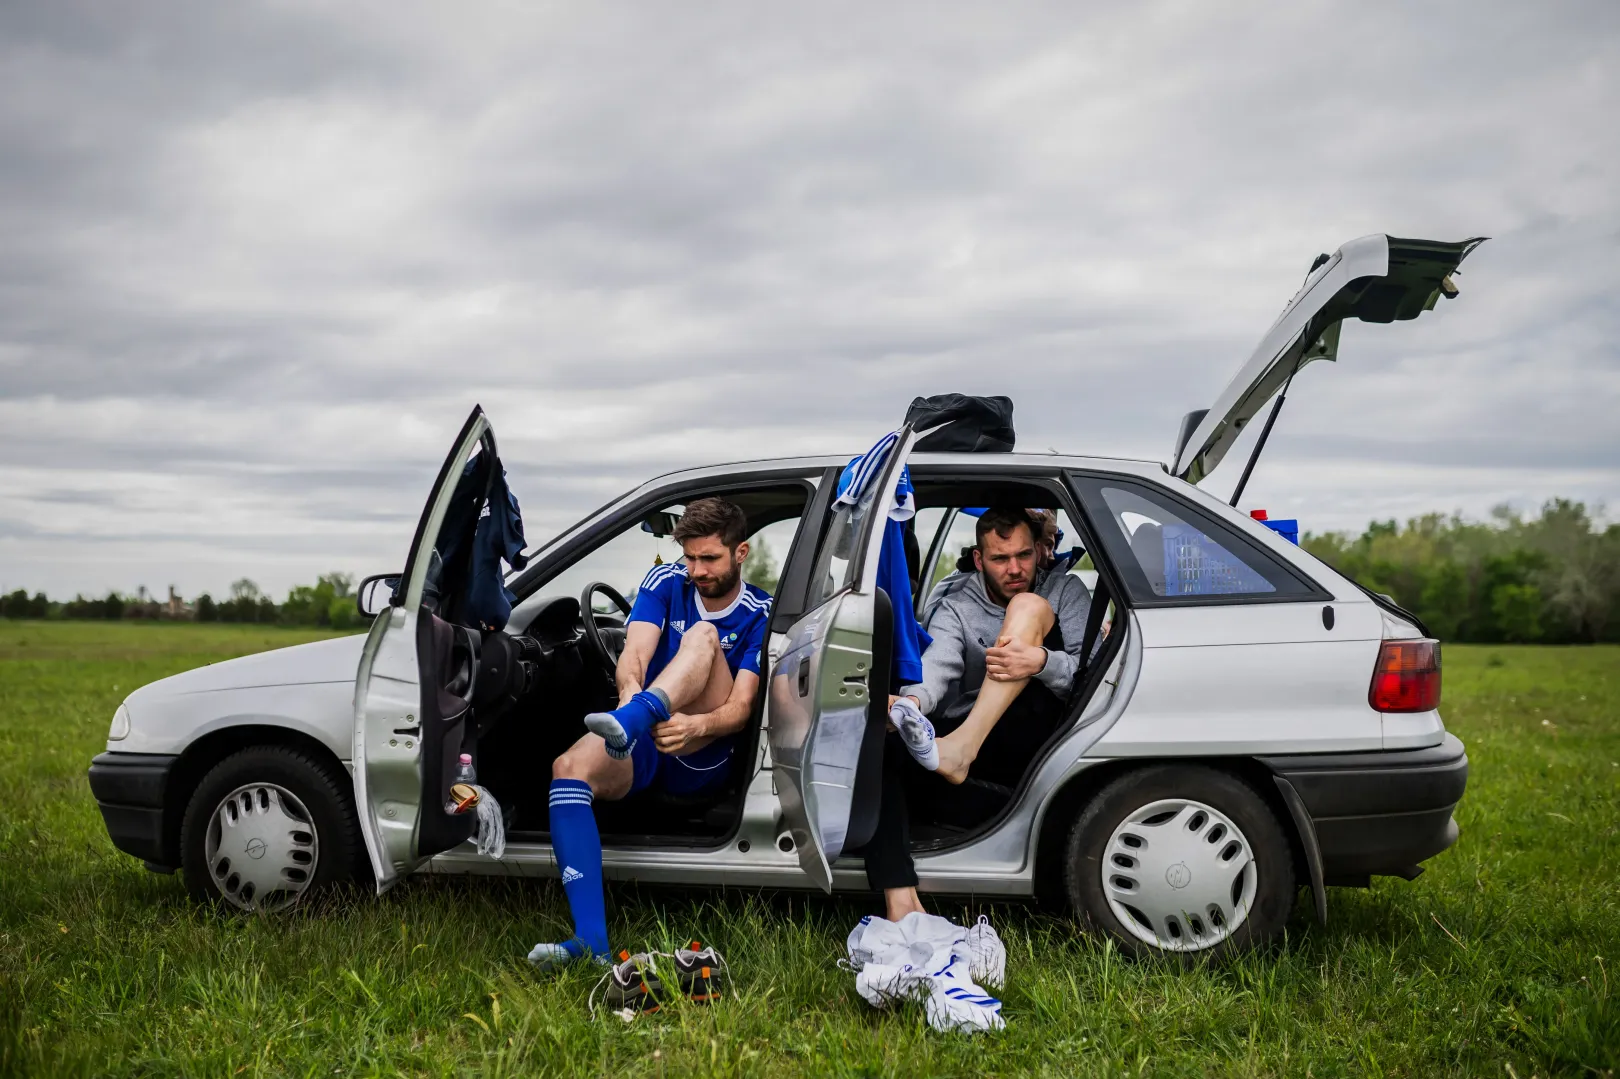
(996, 683)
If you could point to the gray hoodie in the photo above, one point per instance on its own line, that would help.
(967, 622)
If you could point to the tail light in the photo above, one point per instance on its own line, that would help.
(1407, 677)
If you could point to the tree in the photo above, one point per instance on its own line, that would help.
(206, 609)
(1516, 609)
(1553, 577)
(760, 568)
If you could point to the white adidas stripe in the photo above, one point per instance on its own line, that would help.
(659, 574)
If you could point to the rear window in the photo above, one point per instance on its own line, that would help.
(1170, 553)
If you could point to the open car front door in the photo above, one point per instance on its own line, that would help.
(829, 690)
(414, 687)
(1376, 279)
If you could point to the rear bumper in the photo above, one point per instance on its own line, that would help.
(129, 789)
(1379, 814)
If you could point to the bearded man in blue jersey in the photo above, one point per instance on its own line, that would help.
(687, 681)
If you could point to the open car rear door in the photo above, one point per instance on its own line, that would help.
(414, 687)
(829, 690)
(1376, 279)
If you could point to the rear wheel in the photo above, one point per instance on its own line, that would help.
(1182, 859)
(266, 827)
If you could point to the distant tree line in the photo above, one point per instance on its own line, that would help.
(1554, 577)
(328, 602)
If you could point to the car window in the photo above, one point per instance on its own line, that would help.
(1169, 552)
(836, 561)
(625, 559)
(1069, 553)
(957, 539)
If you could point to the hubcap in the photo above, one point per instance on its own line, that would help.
(1179, 875)
(261, 848)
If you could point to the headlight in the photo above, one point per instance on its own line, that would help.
(120, 725)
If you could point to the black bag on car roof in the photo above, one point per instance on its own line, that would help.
(972, 424)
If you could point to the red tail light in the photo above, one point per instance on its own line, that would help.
(1407, 678)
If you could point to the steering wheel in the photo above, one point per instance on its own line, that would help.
(604, 642)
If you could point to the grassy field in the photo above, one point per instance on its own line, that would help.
(1499, 961)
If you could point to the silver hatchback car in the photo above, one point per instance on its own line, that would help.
(1250, 721)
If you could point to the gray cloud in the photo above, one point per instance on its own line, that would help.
(261, 259)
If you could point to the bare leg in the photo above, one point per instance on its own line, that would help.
(1029, 619)
(899, 902)
(716, 689)
(587, 760)
(690, 679)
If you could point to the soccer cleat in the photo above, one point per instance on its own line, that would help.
(701, 973)
(633, 984)
(987, 956)
(916, 732)
(549, 957)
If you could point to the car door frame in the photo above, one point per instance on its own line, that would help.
(1054, 479)
(390, 721)
(612, 520)
(828, 783)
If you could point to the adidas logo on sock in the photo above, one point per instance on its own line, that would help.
(570, 874)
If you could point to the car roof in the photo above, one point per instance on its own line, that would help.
(796, 465)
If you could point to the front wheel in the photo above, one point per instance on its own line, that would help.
(1181, 859)
(267, 826)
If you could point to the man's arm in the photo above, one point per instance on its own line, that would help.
(685, 734)
(942, 661)
(640, 641)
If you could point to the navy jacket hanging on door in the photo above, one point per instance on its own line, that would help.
(497, 537)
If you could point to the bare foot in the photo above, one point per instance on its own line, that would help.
(955, 758)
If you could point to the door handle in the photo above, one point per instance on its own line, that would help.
(804, 677)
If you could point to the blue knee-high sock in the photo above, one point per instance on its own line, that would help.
(578, 847)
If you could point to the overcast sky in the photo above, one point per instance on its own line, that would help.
(258, 261)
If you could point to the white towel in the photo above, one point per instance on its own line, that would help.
(925, 957)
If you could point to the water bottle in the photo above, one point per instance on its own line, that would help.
(462, 795)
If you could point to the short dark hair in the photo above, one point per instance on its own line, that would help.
(1004, 521)
(712, 517)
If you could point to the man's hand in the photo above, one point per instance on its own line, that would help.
(1012, 660)
(681, 735)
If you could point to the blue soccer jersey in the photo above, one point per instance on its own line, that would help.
(668, 599)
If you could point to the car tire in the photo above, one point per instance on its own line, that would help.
(267, 827)
(1180, 859)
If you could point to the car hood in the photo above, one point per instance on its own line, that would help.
(333, 660)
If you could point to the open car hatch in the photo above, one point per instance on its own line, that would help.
(1376, 278)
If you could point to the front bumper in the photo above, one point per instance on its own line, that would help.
(1378, 814)
(129, 788)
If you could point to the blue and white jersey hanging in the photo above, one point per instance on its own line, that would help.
(893, 575)
(864, 471)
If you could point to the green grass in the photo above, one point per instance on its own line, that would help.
(1499, 961)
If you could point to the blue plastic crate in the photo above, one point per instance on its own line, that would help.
(1195, 565)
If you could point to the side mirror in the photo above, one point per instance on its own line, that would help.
(376, 593)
